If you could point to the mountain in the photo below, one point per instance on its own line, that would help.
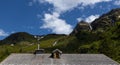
(106, 20)
(81, 26)
(18, 37)
(26, 37)
(104, 36)
(48, 36)
(102, 23)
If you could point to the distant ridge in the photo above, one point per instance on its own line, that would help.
(18, 37)
(24, 36)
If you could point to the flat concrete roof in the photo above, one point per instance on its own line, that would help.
(66, 59)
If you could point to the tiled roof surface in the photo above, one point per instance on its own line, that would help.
(66, 59)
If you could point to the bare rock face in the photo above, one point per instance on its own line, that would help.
(81, 26)
(107, 20)
(101, 24)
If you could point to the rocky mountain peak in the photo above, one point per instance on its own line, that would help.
(102, 23)
(81, 26)
(106, 20)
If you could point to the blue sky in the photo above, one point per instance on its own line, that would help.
(40, 17)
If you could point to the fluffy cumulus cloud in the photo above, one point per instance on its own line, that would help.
(3, 33)
(117, 2)
(57, 25)
(65, 5)
(53, 21)
(89, 19)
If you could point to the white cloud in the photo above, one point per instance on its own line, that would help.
(65, 5)
(79, 19)
(3, 33)
(117, 2)
(53, 21)
(57, 25)
(91, 18)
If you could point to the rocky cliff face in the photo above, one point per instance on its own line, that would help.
(107, 20)
(81, 26)
(102, 23)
